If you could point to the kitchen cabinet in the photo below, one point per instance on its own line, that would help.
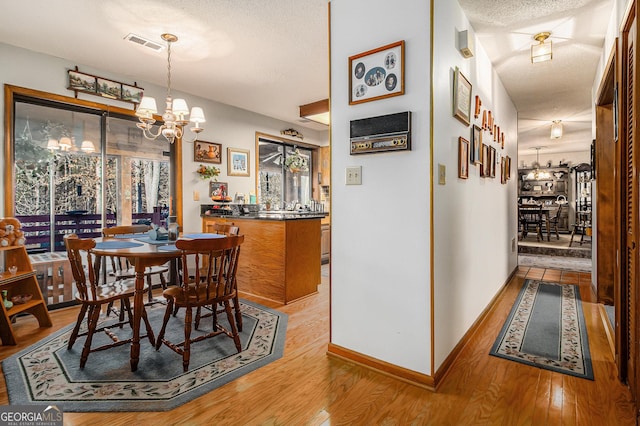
(325, 244)
(325, 165)
(280, 259)
(19, 282)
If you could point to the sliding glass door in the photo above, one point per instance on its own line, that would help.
(77, 170)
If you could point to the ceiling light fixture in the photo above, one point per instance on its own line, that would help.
(174, 116)
(556, 129)
(542, 51)
(536, 174)
(316, 111)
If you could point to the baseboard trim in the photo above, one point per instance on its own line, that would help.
(409, 376)
(609, 329)
(446, 365)
(422, 380)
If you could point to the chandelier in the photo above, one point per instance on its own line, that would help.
(175, 112)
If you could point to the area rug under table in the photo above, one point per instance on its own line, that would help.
(546, 329)
(48, 373)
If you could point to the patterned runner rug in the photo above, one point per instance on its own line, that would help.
(48, 373)
(546, 329)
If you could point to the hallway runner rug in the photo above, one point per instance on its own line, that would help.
(546, 329)
(48, 373)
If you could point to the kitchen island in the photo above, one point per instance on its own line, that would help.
(280, 258)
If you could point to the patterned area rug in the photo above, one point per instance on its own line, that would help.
(48, 373)
(546, 329)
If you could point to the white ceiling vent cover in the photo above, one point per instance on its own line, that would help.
(143, 42)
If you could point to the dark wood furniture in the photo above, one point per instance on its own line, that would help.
(143, 255)
(92, 296)
(530, 218)
(553, 222)
(22, 282)
(546, 186)
(216, 286)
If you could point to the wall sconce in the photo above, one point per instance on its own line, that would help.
(542, 51)
(316, 111)
(556, 129)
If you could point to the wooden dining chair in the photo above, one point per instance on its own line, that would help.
(554, 220)
(92, 296)
(123, 270)
(216, 286)
(530, 218)
(222, 229)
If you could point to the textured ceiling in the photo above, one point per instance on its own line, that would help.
(263, 56)
(555, 90)
(272, 56)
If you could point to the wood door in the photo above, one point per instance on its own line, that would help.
(630, 357)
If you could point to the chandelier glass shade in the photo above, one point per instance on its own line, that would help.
(175, 113)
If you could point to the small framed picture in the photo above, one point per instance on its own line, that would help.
(485, 158)
(476, 144)
(377, 73)
(207, 152)
(237, 162)
(461, 97)
(463, 158)
(132, 93)
(109, 89)
(82, 82)
(492, 163)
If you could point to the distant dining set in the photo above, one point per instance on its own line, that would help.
(538, 218)
(202, 268)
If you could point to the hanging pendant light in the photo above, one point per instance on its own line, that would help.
(542, 51)
(175, 113)
(556, 129)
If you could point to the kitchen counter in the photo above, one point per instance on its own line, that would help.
(281, 255)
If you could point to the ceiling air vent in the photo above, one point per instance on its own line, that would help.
(143, 42)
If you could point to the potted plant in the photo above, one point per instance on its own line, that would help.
(296, 162)
(208, 172)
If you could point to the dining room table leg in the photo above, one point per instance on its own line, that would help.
(138, 306)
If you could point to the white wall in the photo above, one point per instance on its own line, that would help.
(230, 126)
(380, 267)
(475, 219)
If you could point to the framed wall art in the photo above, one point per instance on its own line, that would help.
(476, 144)
(377, 73)
(463, 158)
(82, 82)
(492, 162)
(461, 97)
(485, 158)
(237, 162)
(207, 152)
(109, 89)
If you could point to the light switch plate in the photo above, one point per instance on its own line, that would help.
(353, 175)
(442, 174)
(196, 195)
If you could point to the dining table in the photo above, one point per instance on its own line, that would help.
(142, 251)
(545, 211)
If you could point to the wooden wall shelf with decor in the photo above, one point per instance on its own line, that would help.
(18, 283)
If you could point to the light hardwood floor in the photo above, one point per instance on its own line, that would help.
(306, 387)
